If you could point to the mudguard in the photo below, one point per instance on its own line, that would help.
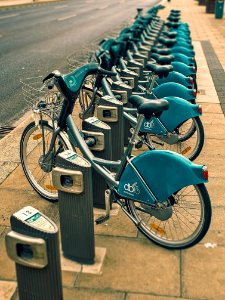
(179, 111)
(183, 39)
(184, 59)
(157, 174)
(174, 89)
(183, 50)
(183, 68)
(183, 44)
(153, 126)
(178, 78)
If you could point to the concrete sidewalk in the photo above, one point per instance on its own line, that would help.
(133, 268)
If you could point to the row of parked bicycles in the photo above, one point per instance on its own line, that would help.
(153, 63)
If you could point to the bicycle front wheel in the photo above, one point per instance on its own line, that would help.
(36, 139)
(188, 223)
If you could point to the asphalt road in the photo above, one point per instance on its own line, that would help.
(35, 40)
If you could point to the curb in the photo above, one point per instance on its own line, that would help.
(10, 149)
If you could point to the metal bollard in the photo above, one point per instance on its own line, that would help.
(136, 67)
(125, 91)
(129, 74)
(103, 149)
(121, 90)
(33, 244)
(219, 9)
(72, 176)
(110, 111)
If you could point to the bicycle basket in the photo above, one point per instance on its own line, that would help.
(39, 96)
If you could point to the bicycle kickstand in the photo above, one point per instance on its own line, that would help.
(105, 217)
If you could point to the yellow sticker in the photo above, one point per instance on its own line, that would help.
(186, 150)
(37, 136)
(50, 187)
(158, 229)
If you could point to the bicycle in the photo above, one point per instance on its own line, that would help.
(172, 207)
(178, 129)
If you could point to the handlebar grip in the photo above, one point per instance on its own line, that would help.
(51, 75)
(106, 72)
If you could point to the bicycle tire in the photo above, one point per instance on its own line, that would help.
(31, 148)
(163, 233)
(190, 141)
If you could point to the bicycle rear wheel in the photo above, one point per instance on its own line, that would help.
(185, 227)
(190, 139)
(31, 150)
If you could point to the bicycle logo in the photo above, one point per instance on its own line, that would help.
(132, 188)
(149, 125)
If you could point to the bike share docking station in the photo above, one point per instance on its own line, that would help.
(122, 92)
(110, 111)
(33, 244)
(136, 67)
(101, 132)
(72, 177)
(131, 78)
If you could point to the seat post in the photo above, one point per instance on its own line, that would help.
(153, 79)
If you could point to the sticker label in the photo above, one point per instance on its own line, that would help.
(34, 218)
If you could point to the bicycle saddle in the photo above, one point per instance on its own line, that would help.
(162, 51)
(173, 18)
(176, 11)
(161, 71)
(167, 41)
(148, 107)
(170, 34)
(162, 59)
(172, 24)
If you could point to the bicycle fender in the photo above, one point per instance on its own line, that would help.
(157, 174)
(183, 68)
(179, 111)
(183, 50)
(153, 126)
(176, 77)
(174, 89)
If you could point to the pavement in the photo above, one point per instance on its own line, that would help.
(130, 267)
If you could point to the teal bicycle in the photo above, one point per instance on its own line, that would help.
(162, 192)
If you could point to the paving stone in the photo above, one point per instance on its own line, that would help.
(150, 297)
(211, 133)
(7, 269)
(119, 225)
(215, 188)
(211, 108)
(203, 275)
(216, 232)
(213, 147)
(211, 119)
(13, 200)
(123, 270)
(68, 278)
(15, 178)
(215, 165)
(91, 294)
(7, 289)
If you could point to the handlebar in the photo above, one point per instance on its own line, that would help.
(106, 72)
